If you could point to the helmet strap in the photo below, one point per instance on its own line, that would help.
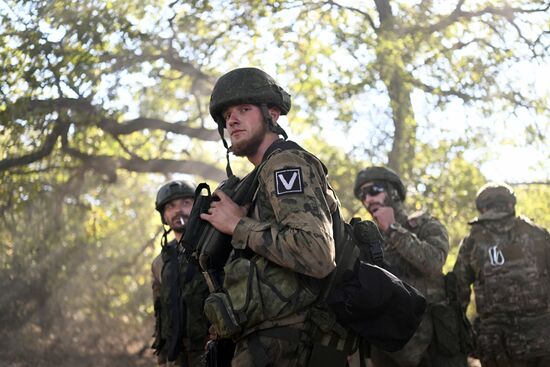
(164, 239)
(228, 169)
(271, 125)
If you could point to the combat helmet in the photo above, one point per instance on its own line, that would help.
(173, 190)
(495, 194)
(377, 173)
(246, 85)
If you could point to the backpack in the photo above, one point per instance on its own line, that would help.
(366, 298)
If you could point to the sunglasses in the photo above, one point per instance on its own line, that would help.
(372, 190)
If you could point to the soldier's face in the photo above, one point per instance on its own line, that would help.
(373, 196)
(176, 213)
(246, 128)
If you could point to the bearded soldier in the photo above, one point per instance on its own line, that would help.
(415, 250)
(179, 289)
(283, 241)
(507, 259)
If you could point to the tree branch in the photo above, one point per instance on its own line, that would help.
(355, 10)
(23, 106)
(142, 123)
(458, 14)
(60, 129)
(108, 165)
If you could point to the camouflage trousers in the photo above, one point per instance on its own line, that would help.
(506, 362)
(261, 349)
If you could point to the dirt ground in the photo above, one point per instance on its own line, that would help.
(67, 359)
(31, 350)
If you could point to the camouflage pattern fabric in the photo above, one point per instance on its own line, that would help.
(508, 262)
(194, 292)
(156, 269)
(292, 227)
(280, 352)
(416, 252)
(289, 230)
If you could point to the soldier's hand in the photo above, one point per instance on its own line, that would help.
(224, 214)
(384, 217)
(213, 333)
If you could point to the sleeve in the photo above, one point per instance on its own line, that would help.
(156, 268)
(300, 235)
(464, 272)
(428, 253)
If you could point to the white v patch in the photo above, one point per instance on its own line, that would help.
(288, 181)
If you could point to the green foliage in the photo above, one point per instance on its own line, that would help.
(76, 254)
(532, 201)
(95, 94)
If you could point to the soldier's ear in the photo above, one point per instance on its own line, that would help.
(394, 195)
(274, 112)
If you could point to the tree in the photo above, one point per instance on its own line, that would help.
(96, 96)
(392, 53)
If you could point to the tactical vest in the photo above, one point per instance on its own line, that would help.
(182, 294)
(512, 274)
(267, 293)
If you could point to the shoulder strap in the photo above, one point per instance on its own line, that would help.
(344, 250)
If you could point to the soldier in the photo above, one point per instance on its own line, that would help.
(283, 242)
(179, 289)
(507, 259)
(415, 250)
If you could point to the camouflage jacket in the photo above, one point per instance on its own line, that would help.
(193, 291)
(508, 263)
(289, 231)
(416, 252)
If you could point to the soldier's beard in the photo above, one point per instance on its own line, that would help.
(179, 229)
(246, 148)
(177, 225)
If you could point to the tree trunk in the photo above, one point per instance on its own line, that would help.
(392, 73)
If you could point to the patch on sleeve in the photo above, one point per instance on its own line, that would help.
(288, 181)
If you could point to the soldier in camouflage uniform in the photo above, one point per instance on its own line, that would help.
(181, 332)
(415, 249)
(507, 259)
(283, 242)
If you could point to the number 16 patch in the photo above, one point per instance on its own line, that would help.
(288, 181)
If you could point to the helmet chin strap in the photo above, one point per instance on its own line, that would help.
(164, 239)
(228, 169)
(271, 125)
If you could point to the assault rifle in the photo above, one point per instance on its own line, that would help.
(204, 242)
(212, 248)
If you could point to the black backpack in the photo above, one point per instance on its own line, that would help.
(366, 298)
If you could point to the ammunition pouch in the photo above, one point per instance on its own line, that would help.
(256, 290)
(219, 312)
